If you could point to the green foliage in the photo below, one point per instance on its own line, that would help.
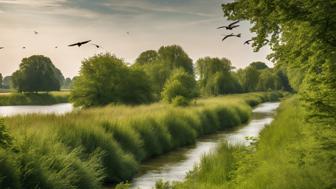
(105, 79)
(159, 66)
(1, 80)
(180, 101)
(291, 153)
(302, 36)
(84, 148)
(33, 98)
(259, 65)
(37, 73)
(180, 84)
(7, 82)
(5, 138)
(216, 77)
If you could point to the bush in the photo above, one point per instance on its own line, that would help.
(105, 79)
(180, 84)
(181, 101)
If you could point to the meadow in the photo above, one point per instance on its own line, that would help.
(13, 98)
(291, 154)
(89, 147)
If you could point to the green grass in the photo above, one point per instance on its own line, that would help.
(108, 144)
(291, 154)
(11, 99)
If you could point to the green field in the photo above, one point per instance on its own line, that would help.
(11, 98)
(290, 154)
(88, 147)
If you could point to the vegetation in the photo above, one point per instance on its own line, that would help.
(83, 148)
(290, 154)
(160, 65)
(105, 79)
(37, 73)
(302, 36)
(12, 99)
(181, 87)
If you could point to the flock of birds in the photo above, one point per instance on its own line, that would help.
(228, 27)
(78, 44)
(231, 27)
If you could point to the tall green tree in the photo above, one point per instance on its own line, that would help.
(105, 79)
(7, 82)
(37, 73)
(159, 65)
(216, 76)
(302, 34)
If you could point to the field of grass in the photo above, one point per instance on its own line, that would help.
(291, 154)
(87, 147)
(11, 98)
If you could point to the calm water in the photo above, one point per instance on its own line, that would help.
(19, 110)
(175, 165)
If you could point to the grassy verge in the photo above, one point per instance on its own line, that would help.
(291, 154)
(85, 148)
(11, 99)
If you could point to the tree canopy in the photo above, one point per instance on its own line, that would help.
(106, 79)
(302, 35)
(159, 65)
(37, 73)
(216, 76)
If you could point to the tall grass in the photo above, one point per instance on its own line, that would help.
(83, 148)
(11, 99)
(291, 154)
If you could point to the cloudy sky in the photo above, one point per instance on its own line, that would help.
(150, 23)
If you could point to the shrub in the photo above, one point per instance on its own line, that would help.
(181, 101)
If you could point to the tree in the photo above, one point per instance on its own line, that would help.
(160, 65)
(106, 79)
(147, 57)
(259, 65)
(7, 82)
(216, 76)
(251, 79)
(36, 73)
(180, 84)
(1, 79)
(302, 35)
(67, 83)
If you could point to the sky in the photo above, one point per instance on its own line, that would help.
(123, 27)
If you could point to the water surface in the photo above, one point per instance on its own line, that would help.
(50, 109)
(175, 165)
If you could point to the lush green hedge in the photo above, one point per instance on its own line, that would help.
(291, 154)
(11, 99)
(83, 149)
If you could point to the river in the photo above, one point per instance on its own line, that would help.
(20, 110)
(175, 165)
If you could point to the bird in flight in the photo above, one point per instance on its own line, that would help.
(127, 33)
(23, 47)
(230, 26)
(248, 42)
(2, 47)
(35, 32)
(231, 35)
(79, 44)
(56, 47)
(98, 46)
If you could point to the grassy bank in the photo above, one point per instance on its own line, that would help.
(291, 154)
(12, 99)
(85, 148)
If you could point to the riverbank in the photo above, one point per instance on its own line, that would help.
(290, 154)
(13, 99)
(82, 149)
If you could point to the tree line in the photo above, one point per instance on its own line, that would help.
(167, 74)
